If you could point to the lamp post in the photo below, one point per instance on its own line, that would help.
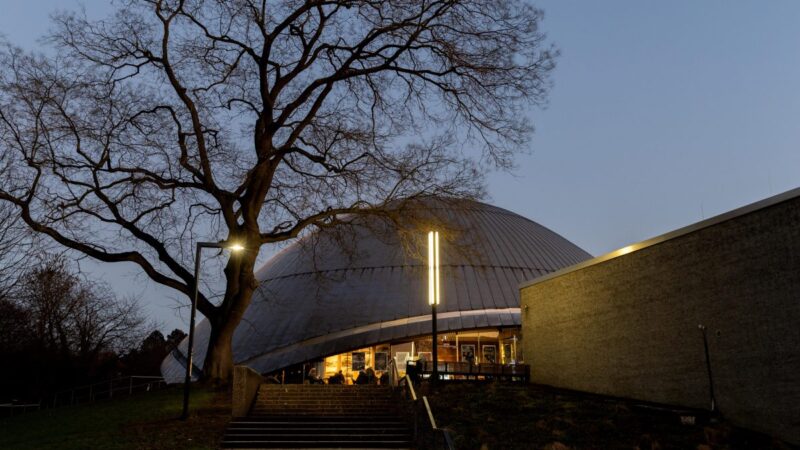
(190, 345)
(434, 295)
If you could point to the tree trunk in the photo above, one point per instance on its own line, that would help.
(241, 283)
(218, 367)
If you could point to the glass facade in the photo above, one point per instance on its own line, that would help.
(484, 346)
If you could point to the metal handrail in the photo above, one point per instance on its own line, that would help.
(145, 377)
(410, 385)
(448, 440)
(430, 414)
(395, 374)
(480, 369)
(11, 407)
(107, 389)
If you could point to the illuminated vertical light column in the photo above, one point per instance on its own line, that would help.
(434, 295)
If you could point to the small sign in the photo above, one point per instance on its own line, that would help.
(468, 353)
(489, 354)
(359, 361)
(381, 360)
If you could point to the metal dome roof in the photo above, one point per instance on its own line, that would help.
(332, 292)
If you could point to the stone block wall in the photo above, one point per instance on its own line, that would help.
(628, 326)
(246, 382)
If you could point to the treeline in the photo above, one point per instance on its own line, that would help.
(59, 330)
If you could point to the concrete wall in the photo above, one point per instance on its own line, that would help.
(628, 326)
(246, 382)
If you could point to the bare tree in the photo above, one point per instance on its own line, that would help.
(14, 247)
(58, 328)
(183, 120)
(72, 317)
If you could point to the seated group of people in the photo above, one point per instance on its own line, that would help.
(367, 376)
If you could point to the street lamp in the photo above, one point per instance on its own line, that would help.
(434, 294)
(232, 246)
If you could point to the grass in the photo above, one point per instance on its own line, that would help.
(144, 421)
(496, 416)
(489, 416)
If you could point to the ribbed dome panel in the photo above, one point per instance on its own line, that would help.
(320, 297)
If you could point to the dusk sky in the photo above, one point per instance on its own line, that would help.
(662, 114)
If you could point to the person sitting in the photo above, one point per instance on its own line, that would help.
(337, 378)
(371, 376)
(362, 377)
(383, 378)
(313, 378)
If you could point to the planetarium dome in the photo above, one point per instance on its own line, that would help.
(330, 293)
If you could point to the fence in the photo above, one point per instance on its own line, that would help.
(10, 409)
(114, 387)
(520, 372)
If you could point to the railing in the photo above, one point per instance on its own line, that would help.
(408, 386)
(510, 371)
(108, 389)
(11, 408)
(394, 375)
(445, 433)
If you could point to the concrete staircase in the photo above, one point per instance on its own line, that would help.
(320, 416)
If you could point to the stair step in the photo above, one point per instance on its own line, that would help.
(310, 418)
(316, 412)
(324, 408)
(316, 444)
(343, 418)
(320, 416)
(349, 398)
(326, 401)
(316, 430)
(303, 421)
(322, 436)
(364, 413)
(339, 441)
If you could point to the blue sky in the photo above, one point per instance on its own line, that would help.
(662, 114)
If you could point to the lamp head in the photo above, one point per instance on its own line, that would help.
(236, 247)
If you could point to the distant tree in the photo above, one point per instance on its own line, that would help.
(146, 358)
(14, 329)
(154, 342)
(75, 318)
(174, 338)
(176, 121)
(58, 329)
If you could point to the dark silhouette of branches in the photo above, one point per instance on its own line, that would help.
(58, 328)
(175, 121)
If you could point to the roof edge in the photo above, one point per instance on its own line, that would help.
(724, 217)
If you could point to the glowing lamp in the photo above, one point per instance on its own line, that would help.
(434, 291)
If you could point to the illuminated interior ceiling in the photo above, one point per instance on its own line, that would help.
(367, 284)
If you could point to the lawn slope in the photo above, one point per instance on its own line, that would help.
(144, 421)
